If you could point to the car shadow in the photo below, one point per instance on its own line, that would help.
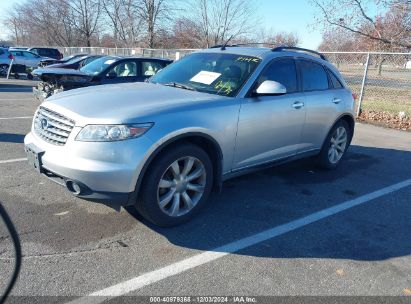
(11, 138)
(256, 202)
(16, 88)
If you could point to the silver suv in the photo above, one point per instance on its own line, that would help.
(5, 59)
(163, 146)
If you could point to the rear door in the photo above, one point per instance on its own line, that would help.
(270, 127)
(321, 103)
(31, 59)
(150, 68)
(18, 57)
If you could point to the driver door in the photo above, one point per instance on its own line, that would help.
(270, 127)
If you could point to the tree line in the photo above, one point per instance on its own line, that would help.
(347, 25)
(139, 23)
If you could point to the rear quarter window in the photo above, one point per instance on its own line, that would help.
(335, 81)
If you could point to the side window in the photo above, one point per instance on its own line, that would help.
(17, 54)
(314, 77)
(150, 68)
(1, 52)
(283, 71)
(336, 83)
(30, 55)
(35, 51)
(124, 69)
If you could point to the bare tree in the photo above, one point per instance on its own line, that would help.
(86, 15)
(186, 34)
(220, 20)
(338, 40)
(391, 28)
(154, 13)
(53, 24)
(125, 21)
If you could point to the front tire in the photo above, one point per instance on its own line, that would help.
(176, 186)
(335, 146)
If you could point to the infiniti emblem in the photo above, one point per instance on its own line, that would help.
(44, 123)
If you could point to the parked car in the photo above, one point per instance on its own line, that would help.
(5, 59)
(47, 52)
(76, 62)
(26, 58)
(104, 70)
(163, 146)
(50, 61)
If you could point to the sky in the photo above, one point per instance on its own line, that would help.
(291, 16)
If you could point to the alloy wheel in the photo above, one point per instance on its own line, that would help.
(338, 145)
(181, 186)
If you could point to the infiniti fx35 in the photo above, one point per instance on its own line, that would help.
(163, 145)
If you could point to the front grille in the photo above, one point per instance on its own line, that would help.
(52, 127)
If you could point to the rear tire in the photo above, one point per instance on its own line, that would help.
(335, 146)
(176, 186)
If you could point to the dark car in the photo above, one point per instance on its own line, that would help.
(46, 52)
(104, 70)
(48, 62)
(76, 62)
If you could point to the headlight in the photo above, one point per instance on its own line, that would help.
(112, 132)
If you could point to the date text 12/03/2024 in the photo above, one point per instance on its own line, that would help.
(204, 299)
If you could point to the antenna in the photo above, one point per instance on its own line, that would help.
(226, 43)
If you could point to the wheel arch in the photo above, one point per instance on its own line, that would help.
(349, 119)
(205, 141)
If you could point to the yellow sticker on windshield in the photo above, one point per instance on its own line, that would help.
(224, 87)
(248, 59)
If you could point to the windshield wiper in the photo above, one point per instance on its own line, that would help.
(179, 85)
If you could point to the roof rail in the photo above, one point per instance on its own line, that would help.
(241, 44)
(291, 48)
(217, 46)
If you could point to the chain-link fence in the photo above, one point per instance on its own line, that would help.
(382, 81)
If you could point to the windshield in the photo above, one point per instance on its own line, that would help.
(97, 66)
(215, 73)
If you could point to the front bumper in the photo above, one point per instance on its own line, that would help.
(39, 95)
(105, 172)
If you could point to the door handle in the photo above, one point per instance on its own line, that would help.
(298, 105)
(336, 100)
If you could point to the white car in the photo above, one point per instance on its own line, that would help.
(27, 58)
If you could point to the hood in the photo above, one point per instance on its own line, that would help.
(123, 103)
(58, 71)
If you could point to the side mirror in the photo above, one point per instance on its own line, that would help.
(270, 87)
(111, 75)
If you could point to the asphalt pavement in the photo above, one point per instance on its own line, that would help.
(297, 230)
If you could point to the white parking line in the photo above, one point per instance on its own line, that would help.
(20, 117)
(12, 160)
(217, 253)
